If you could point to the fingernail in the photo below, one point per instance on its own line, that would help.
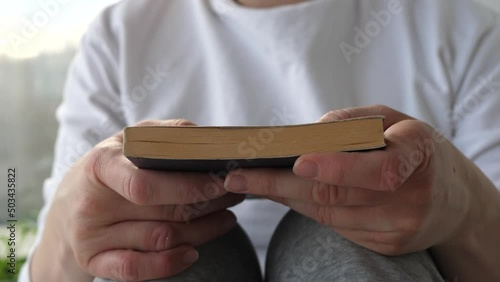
(306, 169)
(236, 183)
(190, 257)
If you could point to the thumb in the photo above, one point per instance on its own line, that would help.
(170, 122)
(390, 115)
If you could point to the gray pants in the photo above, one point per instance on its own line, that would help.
(302, 250)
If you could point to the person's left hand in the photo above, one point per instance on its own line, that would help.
(407, 197)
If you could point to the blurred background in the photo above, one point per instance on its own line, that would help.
(38, 39)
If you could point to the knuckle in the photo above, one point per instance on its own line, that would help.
(382, 108)
(340, 114)
(269, 185)
(325, 216)
(96, 162)
(420, 127)
(343, 114)
(339, 173)
(127, 268)
(319, 194)
(147, 122)
(93, 165)
(136, 189)
(181, 122)
(390, 175)
(325, 194)
(338, 195)
(159, 237)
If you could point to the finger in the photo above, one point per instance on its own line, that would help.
(385, 243)
(107, 165)
(172, 122)
(176, 213)
(356, 218)
(391, 116)
(157, 236)
(408, 149)
(129, 265)
(284, 183)
(150, 187)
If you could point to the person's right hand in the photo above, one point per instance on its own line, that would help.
(120, 222)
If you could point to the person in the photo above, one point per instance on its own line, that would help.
(425, 208)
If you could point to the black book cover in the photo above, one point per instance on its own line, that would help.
(211, 165)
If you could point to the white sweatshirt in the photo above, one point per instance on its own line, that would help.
(217, 63)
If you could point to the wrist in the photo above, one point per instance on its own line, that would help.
(473, 248)
(53, 260)
(484, 207)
